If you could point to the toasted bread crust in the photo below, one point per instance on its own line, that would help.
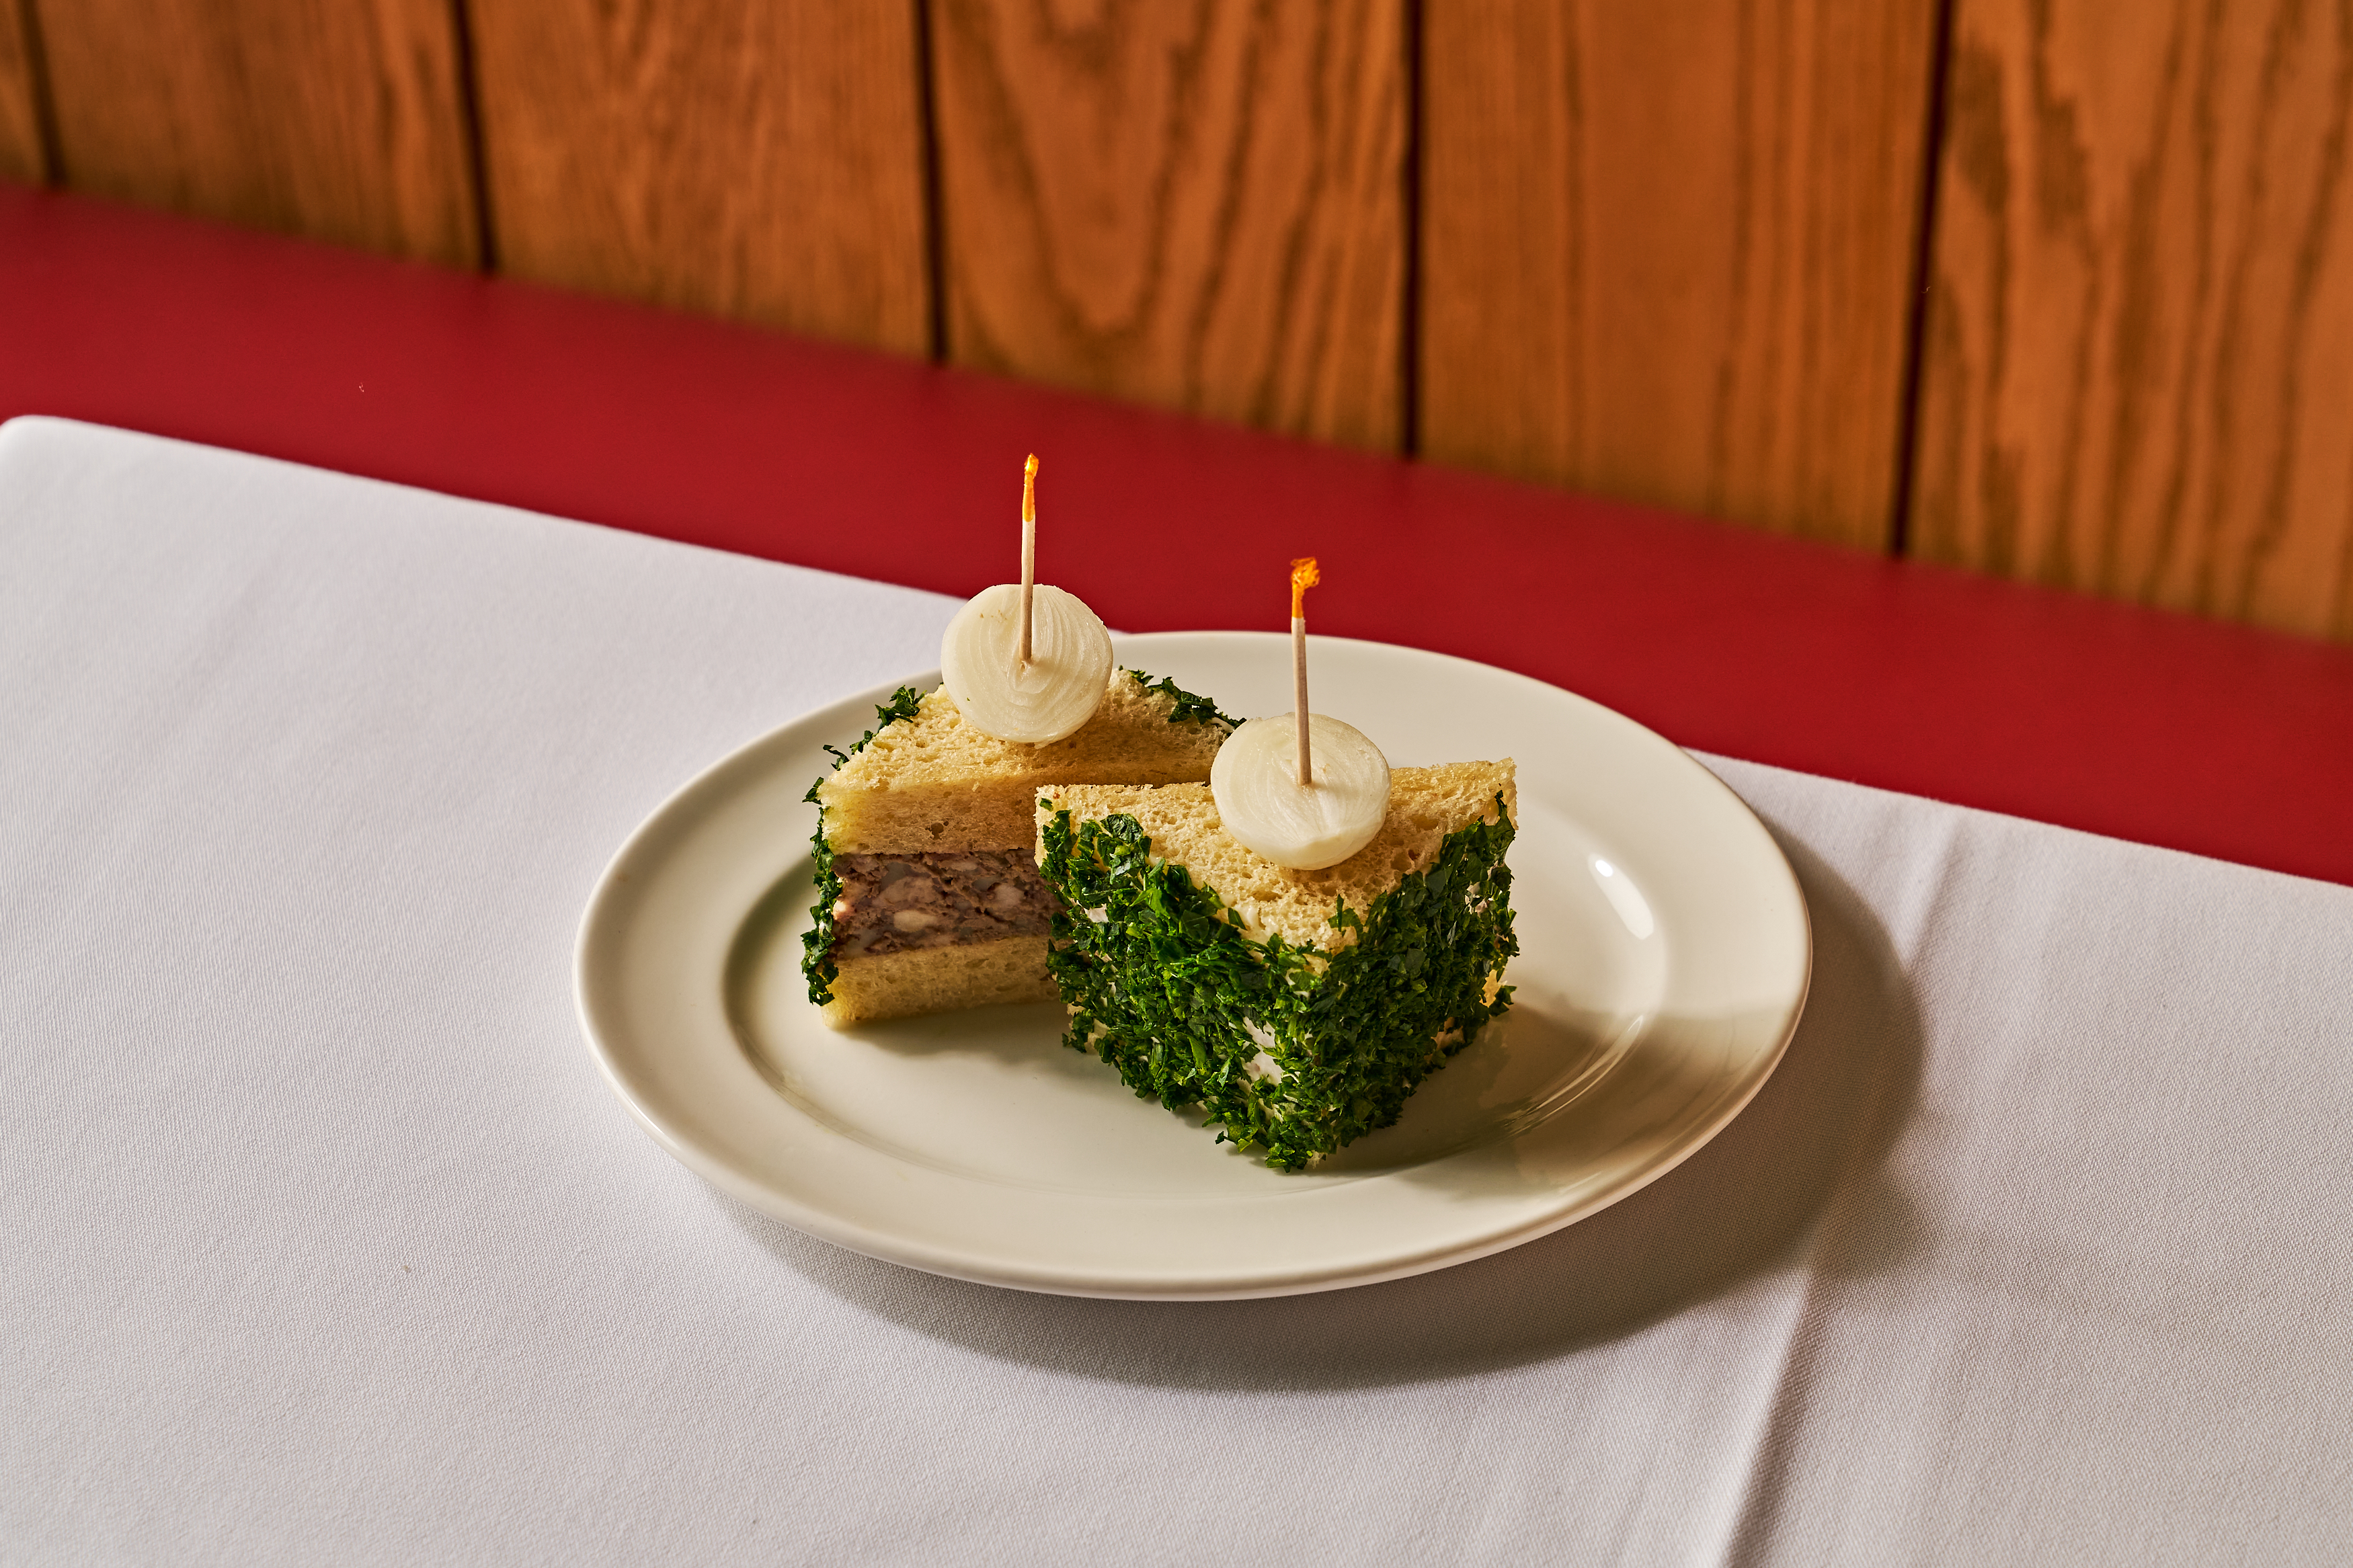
(1181, 820)
(936, 979)
(933, 783)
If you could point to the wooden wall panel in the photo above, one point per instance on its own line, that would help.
(761, 159)
(1668, 250)
(2138, 376)
(1199, 205)
(341, 121)
(23, 159)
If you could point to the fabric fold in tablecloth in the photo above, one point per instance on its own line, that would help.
(329, 1244)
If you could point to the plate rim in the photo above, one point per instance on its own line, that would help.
(611, 890)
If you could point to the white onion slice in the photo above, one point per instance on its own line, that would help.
(1255, 782)
(1055, 693)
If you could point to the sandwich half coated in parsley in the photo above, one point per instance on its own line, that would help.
(1298, 1008)
(928, 893)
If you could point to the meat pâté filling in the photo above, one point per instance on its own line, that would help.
(894, 903)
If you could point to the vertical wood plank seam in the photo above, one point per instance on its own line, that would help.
(469, 126)
(2340, 621)
(266, 187)
(935, 274)
(1299, 336)
(1768, 158)
(2210, 593)
(1189, 79)
(1324, 176)
(36, 65)
(1738, 249)
(45, 107)
(1411, 175)
(1228, 215)
(2142, 238)
(1994, 490)
(2063, 203)
(1576, 285)
(2310, 256)
(1924, 259)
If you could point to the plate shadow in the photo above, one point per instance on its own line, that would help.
(1811, 1144)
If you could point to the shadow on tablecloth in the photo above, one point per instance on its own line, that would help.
(1797, 1179)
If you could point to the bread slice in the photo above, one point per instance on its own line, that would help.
(1299, 1009)
(939, 979)
(927, 891)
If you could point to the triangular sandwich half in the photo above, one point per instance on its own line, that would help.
(928, 894)
(1298, 1008)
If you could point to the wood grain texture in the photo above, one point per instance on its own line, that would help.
(2138, 376)
(1668, 250)
(340, 122)
(758, 159)
(1199, 205)
(23, 159)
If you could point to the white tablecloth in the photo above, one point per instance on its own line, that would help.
(325, 1241)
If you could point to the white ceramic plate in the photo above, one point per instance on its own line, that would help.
(1664, 957)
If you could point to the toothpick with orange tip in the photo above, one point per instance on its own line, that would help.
(1304, 576)
(1026, 663)
(1029, 547)
(1301, 805)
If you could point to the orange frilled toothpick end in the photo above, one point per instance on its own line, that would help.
(1029, 489)
(1304, 576)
